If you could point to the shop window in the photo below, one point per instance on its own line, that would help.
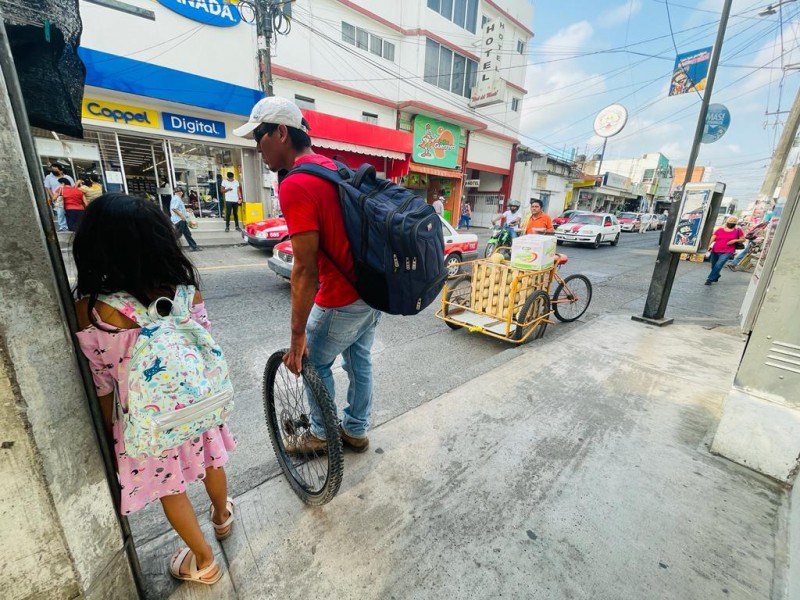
(363, 39)
(369, 118)
(448, 70)
(305, 102)
(463, 13)
(515, 103)
(520, 46)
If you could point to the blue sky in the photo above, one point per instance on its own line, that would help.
(573, 74)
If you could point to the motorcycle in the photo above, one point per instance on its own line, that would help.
(501, 236)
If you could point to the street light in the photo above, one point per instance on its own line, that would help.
(771, 9)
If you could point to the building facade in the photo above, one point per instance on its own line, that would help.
(544, 177)
(428, 91)
(635, 184)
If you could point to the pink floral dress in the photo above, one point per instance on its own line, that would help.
(146, 479)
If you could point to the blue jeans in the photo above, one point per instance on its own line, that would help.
(463, 222)
(512, 233)
(718, 261)
(61, 218)
(349, 331)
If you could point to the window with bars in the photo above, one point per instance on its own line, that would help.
(463, 13)
(449, 70)
(369, 118)
(364, 40)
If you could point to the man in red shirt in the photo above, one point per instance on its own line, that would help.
(332, 320)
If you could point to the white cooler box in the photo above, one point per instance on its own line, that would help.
(533, 252)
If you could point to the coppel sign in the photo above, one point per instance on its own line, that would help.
(218, 13)
(193, 125)
(101, 110)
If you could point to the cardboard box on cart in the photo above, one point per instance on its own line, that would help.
(533, 252)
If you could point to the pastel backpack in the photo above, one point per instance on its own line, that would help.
(178, 382)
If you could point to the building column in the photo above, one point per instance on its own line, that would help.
(58, 525)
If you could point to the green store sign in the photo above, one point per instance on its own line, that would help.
(435, 142)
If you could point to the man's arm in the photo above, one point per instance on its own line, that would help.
(305, 278)
(239, 192)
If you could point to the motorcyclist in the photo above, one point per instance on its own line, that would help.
(511, 219)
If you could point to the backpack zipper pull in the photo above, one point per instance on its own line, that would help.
(414, 264)
(408, 264)
(396, 262)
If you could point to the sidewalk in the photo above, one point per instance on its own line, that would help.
(579, 469)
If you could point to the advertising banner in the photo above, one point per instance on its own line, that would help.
(435, 142)
(690, 72)
(692, 217)
(490, 87)
(718, 120)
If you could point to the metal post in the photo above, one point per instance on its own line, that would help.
(264, 31)
(667, 262)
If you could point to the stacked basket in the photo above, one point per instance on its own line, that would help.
(497, 287)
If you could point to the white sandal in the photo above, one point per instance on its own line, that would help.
(227, 524)
(194, 574)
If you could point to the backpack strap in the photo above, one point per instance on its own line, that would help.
(128, 305)
(182, 303)
(340, 174)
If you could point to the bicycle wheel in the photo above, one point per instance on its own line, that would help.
(316, 476)
(458, 291)
(572, 298)
(534, 312)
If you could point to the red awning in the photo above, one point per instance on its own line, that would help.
(358, 133)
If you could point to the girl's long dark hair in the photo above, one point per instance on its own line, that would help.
(125, 243)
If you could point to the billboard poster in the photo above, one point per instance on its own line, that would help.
(690, 72)
(435, 142)
(693, 212)
(718, 120)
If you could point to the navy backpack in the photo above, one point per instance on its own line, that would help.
(395, 238)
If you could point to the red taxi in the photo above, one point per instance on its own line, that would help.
(266, 233)
(458, 248)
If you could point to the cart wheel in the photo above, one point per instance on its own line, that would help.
(458, 292)
(534, 312)
(572, 298)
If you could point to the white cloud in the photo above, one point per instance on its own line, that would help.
(619, 14)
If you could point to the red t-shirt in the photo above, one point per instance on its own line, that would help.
(310, 203)
(73, 198)
(722, 236)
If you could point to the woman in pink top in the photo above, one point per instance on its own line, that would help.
(126, 244)
(723, 247)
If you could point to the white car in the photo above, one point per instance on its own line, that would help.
(590, 228)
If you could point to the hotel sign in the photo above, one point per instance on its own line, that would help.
(490, 87)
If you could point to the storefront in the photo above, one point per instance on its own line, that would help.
(355, 143)
(435, 168)
(144, 148)
(488, 169)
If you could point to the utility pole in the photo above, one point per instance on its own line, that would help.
(667, 262)
(781, 153)
(264, 10)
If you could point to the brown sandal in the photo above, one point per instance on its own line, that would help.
(220, 530)
(194, 574)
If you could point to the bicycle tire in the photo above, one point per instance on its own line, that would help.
(452, 287)
(281, 416)
(560, 290)
(536, 306)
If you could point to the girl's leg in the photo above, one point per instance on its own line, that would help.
(216, 483)
(180, 514)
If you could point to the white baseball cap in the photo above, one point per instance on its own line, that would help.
(272, 109)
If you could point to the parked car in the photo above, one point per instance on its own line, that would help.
(590, 228)
(458, 248)
(266, 233)
(629, 221)
(566, 216)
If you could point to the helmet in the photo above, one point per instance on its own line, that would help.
(513, 203)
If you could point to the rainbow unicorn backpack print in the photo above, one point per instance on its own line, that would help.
(178, 383)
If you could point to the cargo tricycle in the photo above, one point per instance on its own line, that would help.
(512, 304)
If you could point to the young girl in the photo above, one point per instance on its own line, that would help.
(126, 244)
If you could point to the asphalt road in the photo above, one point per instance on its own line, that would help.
(416, 358)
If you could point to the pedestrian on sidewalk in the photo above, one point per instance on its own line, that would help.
(438, 203)
(332, 320)
(90, 188)
(723, 246)
(180, 219)
(127, 248)
(233, 198)
(51, 186)
(73, 203)
(466, 215)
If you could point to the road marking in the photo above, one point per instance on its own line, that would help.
(228, 267)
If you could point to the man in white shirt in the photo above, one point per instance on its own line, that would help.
(51, 186)
(512, 218)
(180, 218)
(438, 204)
(233, 198)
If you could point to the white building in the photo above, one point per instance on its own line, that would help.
(649, 179)
(547, 178)
(388, 83)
